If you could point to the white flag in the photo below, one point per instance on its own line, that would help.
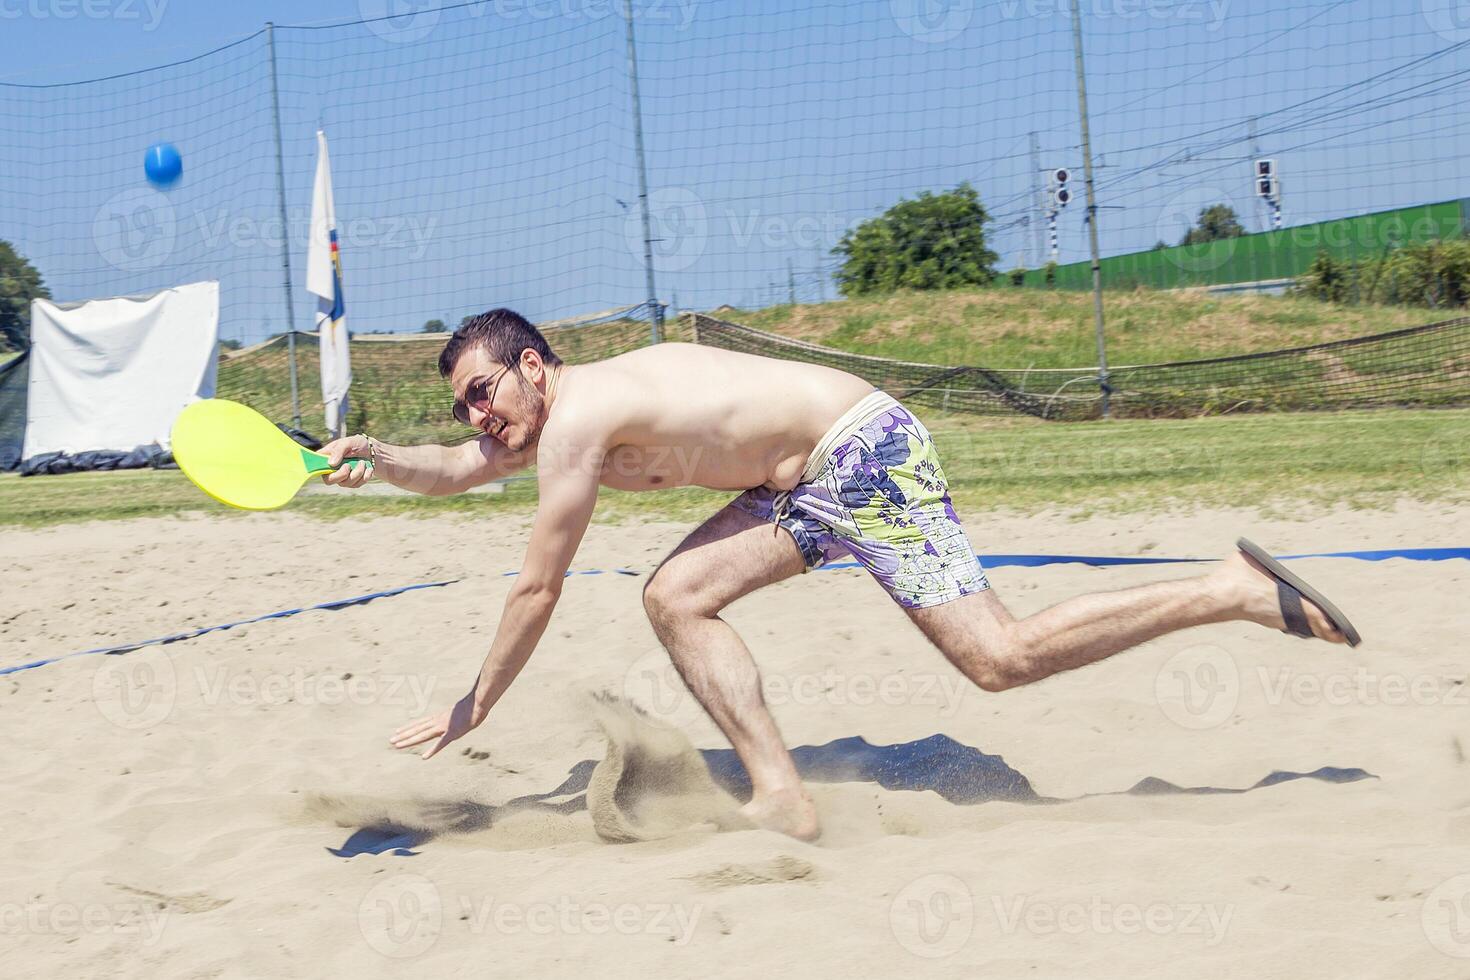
(324, 279)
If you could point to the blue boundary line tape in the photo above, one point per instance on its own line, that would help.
(1097, 561)
(1037, 561)
(989, 561)
(129, 647)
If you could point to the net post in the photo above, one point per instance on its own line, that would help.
(270, 41)
(655, 309)
(1097, 301)
(1037, 191)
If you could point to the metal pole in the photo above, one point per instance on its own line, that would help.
(1040, 193)
(790, 282)
(1102, 344)
(654, 307)
(1256, 155)
(270, 40)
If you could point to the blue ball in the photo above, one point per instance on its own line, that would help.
(163, 165)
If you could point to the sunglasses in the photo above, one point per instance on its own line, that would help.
(480, 394)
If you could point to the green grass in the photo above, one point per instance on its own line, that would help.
(1013, 328)
(398, 396)
(1277, 462)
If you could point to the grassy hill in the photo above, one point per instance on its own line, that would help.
(398, 394)
(1012, 328)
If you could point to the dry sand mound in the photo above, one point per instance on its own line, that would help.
(652, 781)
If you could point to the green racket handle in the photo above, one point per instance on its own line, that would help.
(316, 464)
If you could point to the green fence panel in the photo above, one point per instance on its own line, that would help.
(1268, 256)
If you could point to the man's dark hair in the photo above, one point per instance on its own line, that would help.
(503, 334)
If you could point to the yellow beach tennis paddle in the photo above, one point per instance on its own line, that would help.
(239, 457)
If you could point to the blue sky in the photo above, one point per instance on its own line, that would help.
(483, 153)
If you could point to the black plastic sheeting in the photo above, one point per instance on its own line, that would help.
(97, 459)
(143, 457)
(14, 377)
(300, 438)
(960, 774)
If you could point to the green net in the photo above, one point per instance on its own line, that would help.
(397, 393)
(1427, 366)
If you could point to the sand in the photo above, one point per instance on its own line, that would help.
(172, 812)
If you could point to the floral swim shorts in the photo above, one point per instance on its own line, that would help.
(873, 489)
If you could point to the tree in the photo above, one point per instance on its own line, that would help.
(936, 241)
(1159, 246)
(1214, 223)
(433, 326)
(1326, 279)
(19, 284)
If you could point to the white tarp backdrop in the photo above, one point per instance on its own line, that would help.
(115, 373)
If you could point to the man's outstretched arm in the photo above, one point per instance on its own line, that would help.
(434, 470)
(568, 496)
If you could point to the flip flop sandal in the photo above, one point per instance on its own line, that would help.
(1291, 590)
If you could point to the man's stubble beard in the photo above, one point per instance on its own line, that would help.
(532, 405)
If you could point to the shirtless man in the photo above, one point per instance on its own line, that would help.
(826, 466)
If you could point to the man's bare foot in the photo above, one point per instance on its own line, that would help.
(1253, 591)
(791, 812)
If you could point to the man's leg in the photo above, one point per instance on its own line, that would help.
(998, 652)
(730, 555)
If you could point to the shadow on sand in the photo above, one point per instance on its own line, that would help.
(959, 773)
